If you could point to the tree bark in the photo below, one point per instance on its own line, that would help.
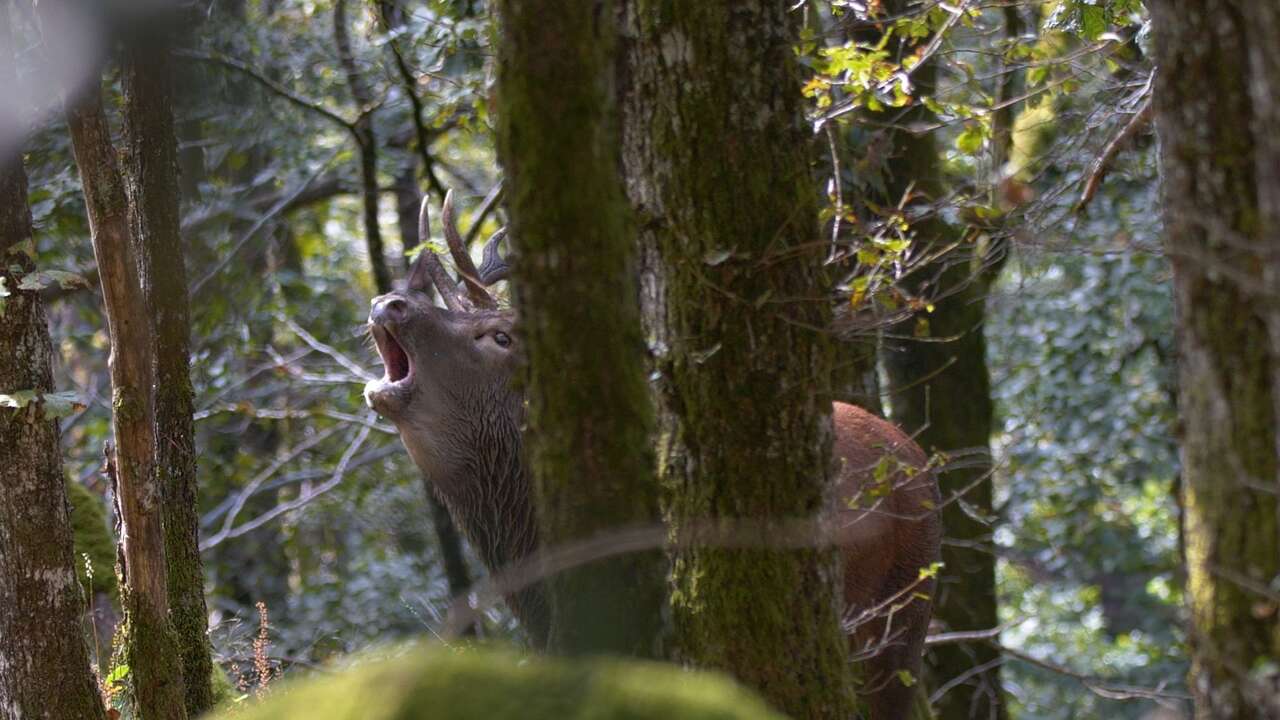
(151, 650)
(44, 664)
(715, 151)
(151, 159)
(1217, 97)
(590, 416)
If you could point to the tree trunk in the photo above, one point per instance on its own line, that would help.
(367, 140)
(715, 150)
(590, 416)
(151, 650)
(940, 393)
(1217, 102)
(44, 663)
(152, 185)
(940, 390)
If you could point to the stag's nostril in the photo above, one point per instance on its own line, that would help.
(391, 310)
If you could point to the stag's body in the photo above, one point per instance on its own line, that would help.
(448, 389)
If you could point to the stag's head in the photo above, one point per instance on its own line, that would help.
(448, 370)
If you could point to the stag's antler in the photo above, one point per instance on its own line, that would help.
(427, 269)
(462, 259)
(494, 267)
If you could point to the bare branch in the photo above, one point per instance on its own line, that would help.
(1103, 164)
(303, 102)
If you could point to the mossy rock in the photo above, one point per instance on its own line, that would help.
(445, 684)
(92, 538)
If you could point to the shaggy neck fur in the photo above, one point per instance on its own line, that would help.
(488, 493)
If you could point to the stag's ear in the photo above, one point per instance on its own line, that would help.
(419, 275)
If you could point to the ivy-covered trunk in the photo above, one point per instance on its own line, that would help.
(1217, 104)
(590, 416)
(716, 154)
(151, 164)
(44, 663)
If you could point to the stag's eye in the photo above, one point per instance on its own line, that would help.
(502, 338)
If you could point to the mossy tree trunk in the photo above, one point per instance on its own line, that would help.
(151, 651)
(151, 165)
(44, 663)
(590, 416)
(1217, 104)
(940, 392)
(716, 154)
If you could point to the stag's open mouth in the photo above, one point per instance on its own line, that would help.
(394, 358)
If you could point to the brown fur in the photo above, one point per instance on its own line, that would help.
(885, 542)
(459, 416)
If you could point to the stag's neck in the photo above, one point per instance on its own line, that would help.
(493, 502)
(490, 495)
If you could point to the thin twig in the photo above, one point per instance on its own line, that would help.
(339, 473)
(1103, 164)
(275, 87)
(354, 367)
(260, 223)
(490, 202)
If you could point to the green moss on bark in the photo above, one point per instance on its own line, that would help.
(151, 172)
(590, 417)
(716, 157)
(1217, 98)
(92, 540)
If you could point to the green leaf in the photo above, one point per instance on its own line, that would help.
(1093, 21)
(970, 141)
(906, 678)
(716, 257)
(931, 571)
(52, 405)
(118, 673)
(62, 404)
(42, 279)
(17, 399)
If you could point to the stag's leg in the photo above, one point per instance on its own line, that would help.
(895, 639)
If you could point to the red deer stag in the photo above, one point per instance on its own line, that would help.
(448, 389)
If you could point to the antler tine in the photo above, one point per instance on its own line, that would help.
(462, 259)
(494, 267)
(427, 269)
